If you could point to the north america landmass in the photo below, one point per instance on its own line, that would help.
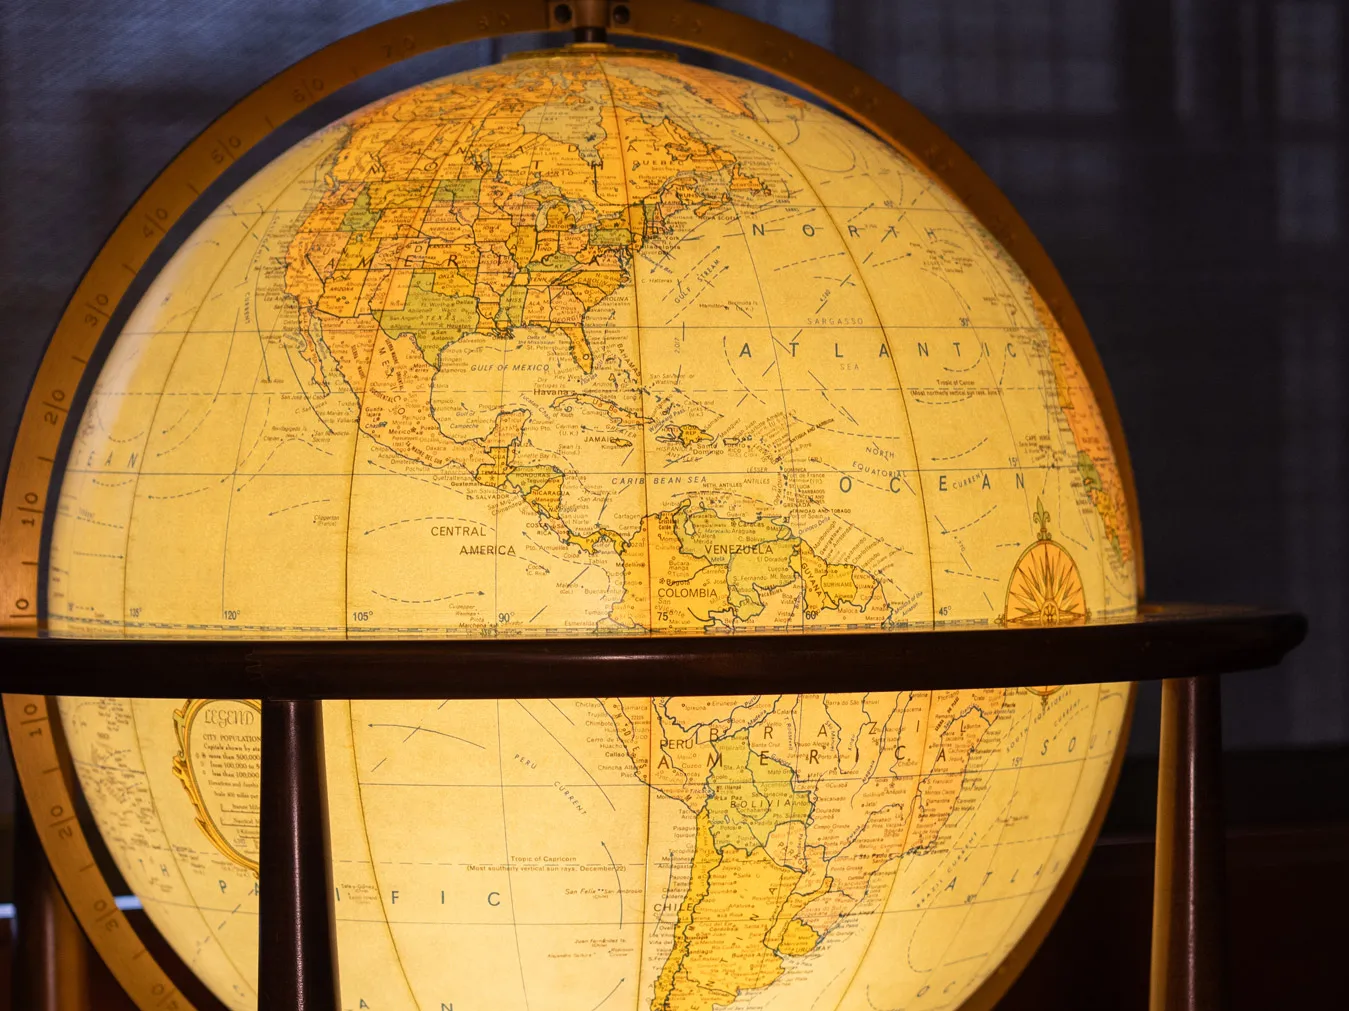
(485, 214)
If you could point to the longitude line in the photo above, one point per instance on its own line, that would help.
(346, 555)
(360, 399)
(370, 853)
(1002, 400)
(782, 389)
(894, 362)
(903, 846)
(939, 962)
(168, 375)
(173, 855)
(506, 844)
(646, 511)
(234, 474)
(1067, 350)
(1096, 711)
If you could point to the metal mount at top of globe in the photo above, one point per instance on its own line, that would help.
(589, 19)
(1181, 645)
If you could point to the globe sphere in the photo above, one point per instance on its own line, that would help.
(599, 344)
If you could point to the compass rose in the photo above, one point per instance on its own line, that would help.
(1045, 588)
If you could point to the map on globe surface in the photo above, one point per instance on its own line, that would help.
(794, 852)
(583, 345)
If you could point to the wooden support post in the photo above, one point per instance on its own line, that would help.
(50, 954)
(297, 959)
(1189, 882)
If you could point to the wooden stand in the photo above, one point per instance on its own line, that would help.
(297, 939)
(50, 955)
(1189, 880)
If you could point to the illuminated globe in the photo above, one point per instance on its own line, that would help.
(598, 344)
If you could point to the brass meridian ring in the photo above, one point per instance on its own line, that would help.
(47, 786)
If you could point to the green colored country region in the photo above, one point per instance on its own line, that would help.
(704, 534)
(526, 479)
(610, 237)
(360, 218)
(540, 486)
(553, 261)
(512, 309)
(763, 566)
(1091, 477)
(458, 189)
(750, 795)
(433, 319)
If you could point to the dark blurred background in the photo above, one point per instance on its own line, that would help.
(1186, 164)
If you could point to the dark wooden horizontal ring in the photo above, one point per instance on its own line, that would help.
(1165, 640)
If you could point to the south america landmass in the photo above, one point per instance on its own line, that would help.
(798, 802)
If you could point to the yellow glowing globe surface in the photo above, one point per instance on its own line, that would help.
(586, 345)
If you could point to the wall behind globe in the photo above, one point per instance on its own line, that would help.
(1184, 161)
